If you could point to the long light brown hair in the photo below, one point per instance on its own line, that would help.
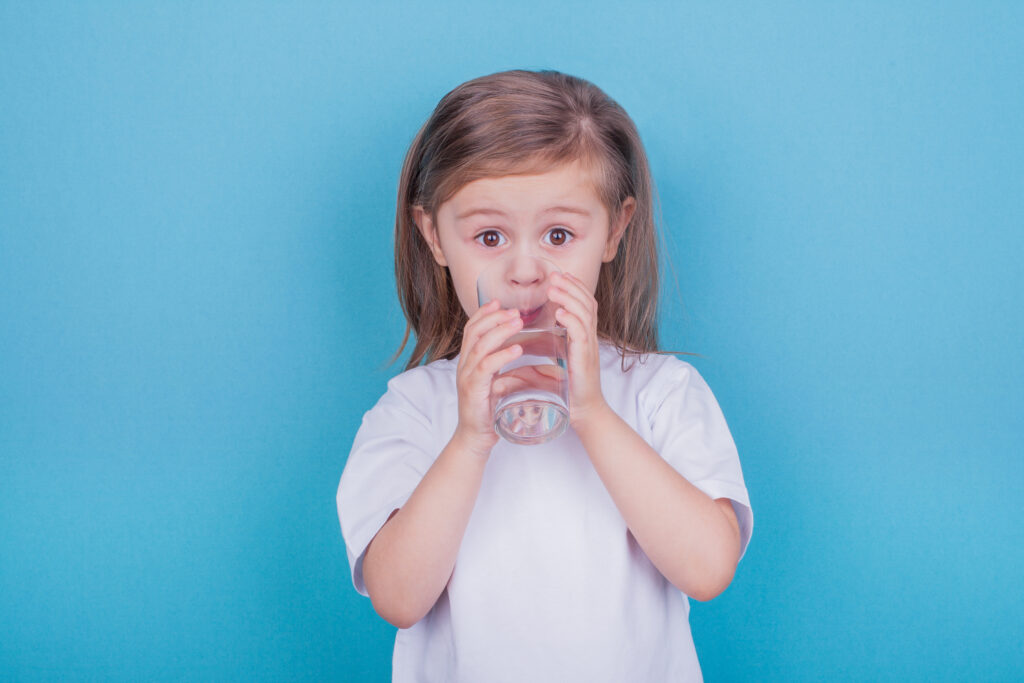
(517, 122)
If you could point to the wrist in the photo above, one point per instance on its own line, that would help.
(586, 420)
(474, 445)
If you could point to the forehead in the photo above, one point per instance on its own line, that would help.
(568, 184)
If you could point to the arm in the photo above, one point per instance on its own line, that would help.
(694, 541)
(409, 562)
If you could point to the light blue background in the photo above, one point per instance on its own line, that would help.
(197, 306)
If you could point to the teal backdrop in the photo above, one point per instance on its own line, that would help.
(197, 305)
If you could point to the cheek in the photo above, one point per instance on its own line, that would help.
(589, 275)
(463, 271)
(467, 298)
(465, 289)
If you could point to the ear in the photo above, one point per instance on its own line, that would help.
(426, 226)
(618, 229)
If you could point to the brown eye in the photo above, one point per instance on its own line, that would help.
(491, 238)
(558, 236)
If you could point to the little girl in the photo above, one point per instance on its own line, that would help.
(566, 561)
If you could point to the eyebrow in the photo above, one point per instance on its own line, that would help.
(474, 212)
(497, 212)
(567, 209)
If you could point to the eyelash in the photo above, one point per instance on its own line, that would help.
(568, 234)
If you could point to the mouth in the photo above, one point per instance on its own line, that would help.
(530, 316)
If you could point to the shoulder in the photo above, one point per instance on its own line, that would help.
(417, 402)
(425, 383)
(650, 377)
(423, 392)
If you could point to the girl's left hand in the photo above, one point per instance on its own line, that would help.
(578, 313)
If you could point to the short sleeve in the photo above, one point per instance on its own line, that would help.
(690, 432)
(390, 455)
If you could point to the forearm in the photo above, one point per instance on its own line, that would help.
(689, 537)
(410, 560)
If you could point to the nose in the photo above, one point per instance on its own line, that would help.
(525, 270)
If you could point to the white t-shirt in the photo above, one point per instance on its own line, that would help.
(549, 585)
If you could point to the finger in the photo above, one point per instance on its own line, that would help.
(574, 326)
(551, 372)
(478, 315)
(489, 366)
(494, 338)
(489, 319)
(482, 312)
(578, 291)
(478, 374)
(491, 305)
(574, 306)
(507, 384)
(477, 328)
(572, 287)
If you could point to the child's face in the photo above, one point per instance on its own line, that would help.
(556, 215)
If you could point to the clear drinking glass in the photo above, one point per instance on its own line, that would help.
(530, 395)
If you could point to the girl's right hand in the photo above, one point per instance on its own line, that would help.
(479, 361)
